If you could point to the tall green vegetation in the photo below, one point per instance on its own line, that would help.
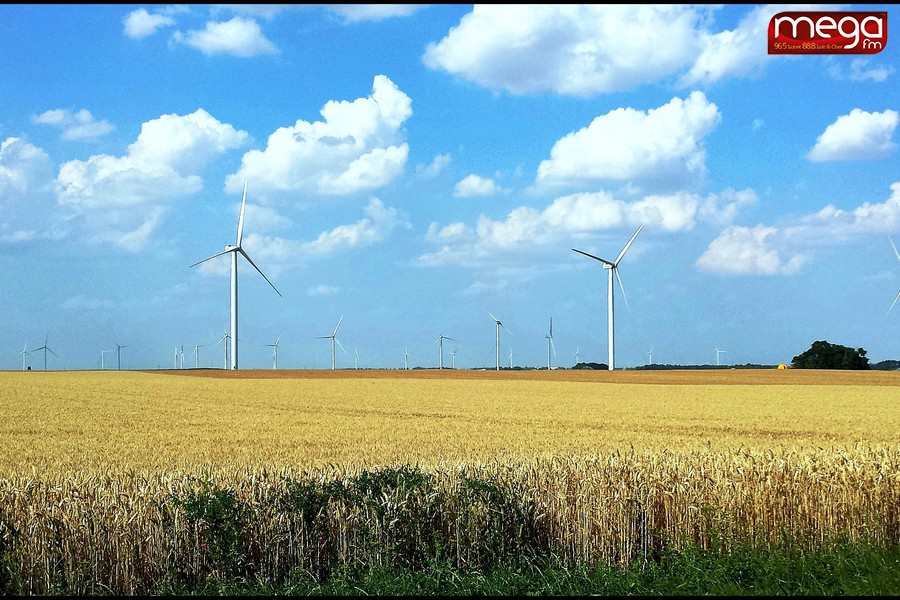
(823, 355)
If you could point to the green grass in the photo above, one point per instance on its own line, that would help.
(845, 570)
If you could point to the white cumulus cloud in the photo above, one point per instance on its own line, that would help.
(856, 135)
(75, 126)
(122, 199)
(473, 185)
(748, 251)
(662, 147)
(140, 23)
(238, 37)
(359, 146)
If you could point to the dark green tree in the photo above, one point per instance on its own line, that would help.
(822, 355)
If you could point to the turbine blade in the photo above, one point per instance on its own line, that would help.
(551, 327)
(333, 333)
(603, 260)
(894, 247)
(53, 353)
(621, 287)
(628, 245)
(552, 347)
(494, 318)
(240, 230)
(212, 257)
(339, 344)
(250, 260)
(893, 303)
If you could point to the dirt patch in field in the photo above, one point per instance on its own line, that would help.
(662, 377)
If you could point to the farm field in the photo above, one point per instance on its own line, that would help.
(61, 421)
(124, 481)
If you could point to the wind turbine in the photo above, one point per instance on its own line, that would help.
(333, 340)
(510, 358)
(612, 267)
(441, 339)
(499, 325)
(650, 355)
(45, 348)
(898, 293)
(182, 356)
(235, 250)
(356, 361)
(406, 359)
(225, 339)
(577, 355)
(197, 355)
(717, 355)
(453, 359)
(102, 359)
(274, 353)
(550, 344)
(119, 356)
(175, 366)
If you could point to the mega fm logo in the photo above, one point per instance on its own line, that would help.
(801, 32)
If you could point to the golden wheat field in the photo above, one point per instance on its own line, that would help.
(55, 422)
(109, 479)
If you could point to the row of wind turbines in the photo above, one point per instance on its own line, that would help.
(612, 267)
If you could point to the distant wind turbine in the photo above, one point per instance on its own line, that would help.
(441, 339)
(577, 355)
(175, 366)
(225, 339)
(119, 356)
(102, 358)
(46, 349)
(274, 353)
(499, 325)
(333, 340)
(510, 358)
(356, 359)
(898, 293)
(182, 357)
(197, 355)
(650, 355)
(550, 344)
(25, 356)
(612, 267)
(235, 250)
(717, 354)
(453, 359)
(405, 359)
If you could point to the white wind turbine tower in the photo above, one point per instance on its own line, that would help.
(453, 359)
(577, 354)
(46, 348)
(356, 359)
(182, 357)
(650, 355)
(175, 366)
(550, 344)
(235, 250)
(333, 340)
(499, 325)
(717, 355)
(274, 353)
(898, 293)
(119, 356)
(510, 358)
(25, 356)
(197, 355)
(441, 339)
(102, 358)
(612, 267)
(406, 359)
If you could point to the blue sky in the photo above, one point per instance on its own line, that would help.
(414, 168)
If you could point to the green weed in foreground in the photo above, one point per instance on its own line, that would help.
(844, 570)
